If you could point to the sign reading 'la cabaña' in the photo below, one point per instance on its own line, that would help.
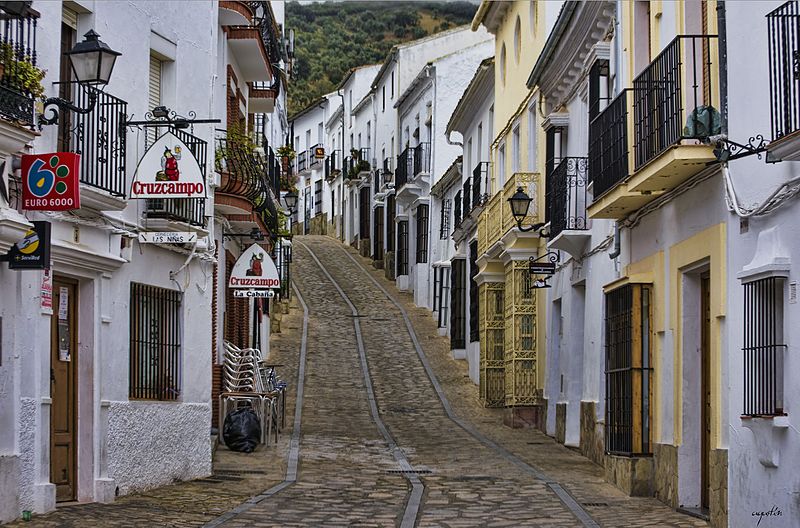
(254, 270)
(168, 170)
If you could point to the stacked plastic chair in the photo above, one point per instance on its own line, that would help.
(243, 384)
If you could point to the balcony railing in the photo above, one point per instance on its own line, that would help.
(269, 32)
(422, 159)
(608, 145)
(99, 138)
(332, 169)
(313, 161)
(302, 161)
(242, 170)
(405, 167)
(466, 197)
(783, 30)
(18, 60)
(567, 198)
(457, 206)
(480, 177)
(188, 210)
(673, 97)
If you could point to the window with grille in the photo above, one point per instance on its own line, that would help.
(457, 302)
(155, 343)
(474, 330)
(444, 223)
(377, 249)
(764, 347)
(402, 247)
(422, 234)
(318, 198)
(628, 370)
(364, 212)
(444, 297)
(391, 212)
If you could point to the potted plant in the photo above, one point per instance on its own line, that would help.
(287, 154)
(20, 74)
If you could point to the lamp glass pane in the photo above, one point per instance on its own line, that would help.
(85, 66)
(106, 65)
(519, 206)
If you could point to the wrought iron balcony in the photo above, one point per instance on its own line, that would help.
(99, 137)
(405, 167)
(466, 196)
(270, 33)
(566, 199)
(20, 79)
(302, 162)
(242, 170)
(332, 169)
(457, 209)
(480, 177)
(608, 145)
(673, 98)
(313, 161)
(783, 26)
(422, 159)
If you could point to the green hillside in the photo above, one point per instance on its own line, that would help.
(332, 37)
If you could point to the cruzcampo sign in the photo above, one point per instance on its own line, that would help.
(50, 181)
(33, 251)
(168, 170)
(254, 270)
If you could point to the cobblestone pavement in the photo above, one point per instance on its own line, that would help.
(347, 474)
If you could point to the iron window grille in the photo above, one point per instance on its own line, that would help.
(764, 347)
(566, 199)
(155, 343)
(377, 250)
(436, 292)
(405, 168)
(391, 213)
(474, 329)
(458, 305)
(628, 370)
(364, 212)
(598, 78)
(302, 161)
(422, 234)
(318, 198)
(783, 31)
(466, 197)
(444, 222)
(444, 296)
(402, 247)
(480, 178)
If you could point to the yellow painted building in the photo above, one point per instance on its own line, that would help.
(511, 313)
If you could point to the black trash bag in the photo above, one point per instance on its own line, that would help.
(241, 430)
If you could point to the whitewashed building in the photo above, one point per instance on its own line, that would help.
(89, 409)
(472, 119)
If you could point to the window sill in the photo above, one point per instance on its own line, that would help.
(768, 433)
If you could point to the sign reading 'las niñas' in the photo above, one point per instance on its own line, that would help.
(168, 170)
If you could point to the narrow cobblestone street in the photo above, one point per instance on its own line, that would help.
(474, 470)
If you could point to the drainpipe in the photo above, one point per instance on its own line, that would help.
(617, 246)
(341, 187)
(723, 66)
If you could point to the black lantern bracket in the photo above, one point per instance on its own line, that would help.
(161, 116)
(254, 234)
(726, 149)
(57, 103)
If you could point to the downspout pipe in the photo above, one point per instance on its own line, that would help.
(722, 33)
(341, 188)
(617, 245)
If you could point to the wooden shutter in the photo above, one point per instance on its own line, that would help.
(69, 18)
(154, 93)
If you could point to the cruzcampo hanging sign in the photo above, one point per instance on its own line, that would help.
(168, 170)
(33, 251)
(50, 181)
(254, 270)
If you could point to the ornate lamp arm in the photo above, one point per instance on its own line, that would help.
(64, 105)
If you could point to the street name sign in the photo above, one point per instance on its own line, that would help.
(167, 237)
(542, 268)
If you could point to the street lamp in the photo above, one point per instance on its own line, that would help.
(520, 203)
(291, 201)
(92, 62)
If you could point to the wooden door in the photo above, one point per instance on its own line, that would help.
(63, 389)
(705, 388)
